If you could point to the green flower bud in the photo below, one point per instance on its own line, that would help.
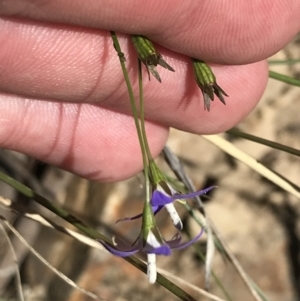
(206, 80)
(149, 55)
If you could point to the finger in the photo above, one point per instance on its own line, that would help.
(95, 143)
(231, 32)
(64, 64)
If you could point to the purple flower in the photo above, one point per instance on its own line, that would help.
(163, 197)
(152, 245)
(150, 241)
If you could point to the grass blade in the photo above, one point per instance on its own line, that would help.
(284, 78)
(272, 176)
(283, 62)
(266, 142)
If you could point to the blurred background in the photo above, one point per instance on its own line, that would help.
(259, 221)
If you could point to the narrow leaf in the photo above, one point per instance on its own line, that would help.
(284, 78)
(266, 142)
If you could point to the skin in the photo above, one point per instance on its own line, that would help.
(62, 93)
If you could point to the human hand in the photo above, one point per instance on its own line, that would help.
(62, 94)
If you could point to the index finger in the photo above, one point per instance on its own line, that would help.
(226, 32)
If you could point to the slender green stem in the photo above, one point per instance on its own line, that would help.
(142, 111)
(131, 95)
(259, 291)
(142, 122)
(263, 141)
(135, 114)
(284, 78)
(283, 62)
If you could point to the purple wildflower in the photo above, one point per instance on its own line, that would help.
(152, 245)
(164, 196)
(150, 241)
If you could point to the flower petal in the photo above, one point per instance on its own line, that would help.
(174, 216)
(129, 218)
(161, 250)
(192, 194)
(175, 241)
(151, 268)
(185, 244)
(160, 199)
(119, 253)
(153, 245)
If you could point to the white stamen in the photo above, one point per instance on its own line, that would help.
(174, 216)
(151, 268)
